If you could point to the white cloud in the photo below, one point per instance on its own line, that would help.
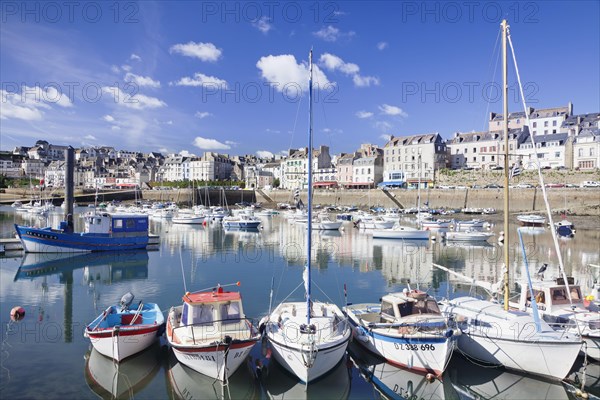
(186, 153)
(142, 81)
(263, 24)
(269, 130)
(284, 73)
(392, 110)
(365, 81)
(115, 69)
(231, 143)
(382, 45)
(265, 154)
(115, 128)
(200, 79)
(136, 101)
(383, 125)
(202, 114)
(332, 34)
(135, 57)
(385, 137)
(163, 150)
(108, 118)
(169, 122)
(203, 51)
(27, 105)
(210, 144)
(364, 114)
(126, 67)
(335, 63)
(90, 137)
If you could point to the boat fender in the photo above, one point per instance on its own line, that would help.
(449, 333)
(17, 313)
(227, 340)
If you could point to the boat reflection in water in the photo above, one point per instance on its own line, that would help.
(397, 383)
(475, 382)
(105, 266)
(591, 378)
(185, 383)
(280, 384)
(111, 380)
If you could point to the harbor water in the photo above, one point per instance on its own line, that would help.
(46, 356)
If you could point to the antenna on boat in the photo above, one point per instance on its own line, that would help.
(310, 154)
(182, 273)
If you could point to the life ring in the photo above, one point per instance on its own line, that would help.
(17, 313)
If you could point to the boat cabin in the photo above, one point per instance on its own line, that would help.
(395, 306)
(552, 297)
(208, 309)
(117, 224)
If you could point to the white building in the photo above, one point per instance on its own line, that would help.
(415, 158)
(553, 151)
(586, 150)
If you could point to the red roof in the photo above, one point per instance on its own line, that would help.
(208, 297)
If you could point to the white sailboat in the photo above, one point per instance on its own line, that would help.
(307, 338)
(496, 335)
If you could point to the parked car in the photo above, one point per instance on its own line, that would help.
(588, 184)
(493, 186)
(524, 186)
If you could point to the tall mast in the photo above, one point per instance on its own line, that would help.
(506, 200)
(310, 156)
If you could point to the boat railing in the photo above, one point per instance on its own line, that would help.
(222, 331)
(425, 326)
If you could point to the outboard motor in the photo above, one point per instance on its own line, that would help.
(126, 301)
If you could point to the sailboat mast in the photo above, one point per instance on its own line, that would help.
(310, 156)
(506, 199)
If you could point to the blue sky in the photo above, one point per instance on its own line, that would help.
(196, 76)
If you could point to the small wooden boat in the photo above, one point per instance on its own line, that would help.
(120, 331)
(210, 333)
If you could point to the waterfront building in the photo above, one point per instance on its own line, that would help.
(542, 122)
(482, 150)
(586, 149)
(553, 151)
(295, 171)
(414, 158)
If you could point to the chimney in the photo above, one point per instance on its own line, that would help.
(569, 109)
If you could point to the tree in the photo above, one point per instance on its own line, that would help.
(276, 183)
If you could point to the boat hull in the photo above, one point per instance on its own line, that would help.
(401, 234)
(241, 225)
(125, 342)
(422, 353)
(217, 362)
(307, 355)
(468, 236)
(46, 240)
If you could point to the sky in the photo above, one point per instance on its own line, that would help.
(188, 77)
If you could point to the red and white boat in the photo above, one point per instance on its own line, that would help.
(210, 333)
(120, 332)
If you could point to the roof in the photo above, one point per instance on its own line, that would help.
(554, 137)
(414, 139)
(211, 297)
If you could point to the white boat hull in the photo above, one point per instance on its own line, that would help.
(403, 233)
(123, 343)
(212, 361)
(292, 348)
(468, 236)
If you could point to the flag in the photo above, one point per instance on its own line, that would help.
(515, 171)
(297, 193)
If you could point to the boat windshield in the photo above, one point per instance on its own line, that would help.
(230, 312)
(201, 314)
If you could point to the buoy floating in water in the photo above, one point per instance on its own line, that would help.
(17, 313)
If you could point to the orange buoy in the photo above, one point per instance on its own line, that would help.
(17, 313)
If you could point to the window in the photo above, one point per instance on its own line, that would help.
(580, 152)
(545, 124)
(557, 154)
(474, 150)
(130, 224)
(493, 158)
(230, 312)
(118, 224)
(534, 133)
(457, 151)
(553, 123)
(591, 151)
(535, 124)
(482, 158)
(387, 308)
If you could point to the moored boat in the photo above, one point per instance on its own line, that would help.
(120, 331)
(531, 220)
(407, 329)
(210, 333)
(401, 232)
(102, 232)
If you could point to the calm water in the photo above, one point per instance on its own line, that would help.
(46, 356)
